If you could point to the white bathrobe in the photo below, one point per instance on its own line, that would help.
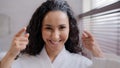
(64, 59)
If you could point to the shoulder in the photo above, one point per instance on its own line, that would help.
(23, 60)
(26, 57)
(81, 57)
(81, 60)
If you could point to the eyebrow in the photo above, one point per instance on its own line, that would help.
(47, 25)
(51, 25)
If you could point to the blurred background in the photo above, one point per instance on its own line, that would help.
(100, 17)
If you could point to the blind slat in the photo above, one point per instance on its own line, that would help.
(106, 29)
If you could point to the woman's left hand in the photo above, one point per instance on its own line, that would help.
(90, 44)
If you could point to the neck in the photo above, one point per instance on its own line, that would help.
(52, 53)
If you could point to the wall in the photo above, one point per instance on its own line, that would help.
(19, 13)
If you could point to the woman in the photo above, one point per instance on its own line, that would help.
(51, 40)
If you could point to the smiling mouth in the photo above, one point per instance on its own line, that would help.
(55, 43)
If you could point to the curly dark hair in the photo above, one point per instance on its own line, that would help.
(36, 42)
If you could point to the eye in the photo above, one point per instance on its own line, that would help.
(62, 27)
(48, 28)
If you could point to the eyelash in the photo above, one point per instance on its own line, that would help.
(48, 28)
(61, 28)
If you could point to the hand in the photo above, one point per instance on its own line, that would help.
(19, 42)
(88, 40)
(90, 44)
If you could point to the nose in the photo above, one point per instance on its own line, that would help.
(55, 35)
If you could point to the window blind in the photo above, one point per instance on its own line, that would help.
(104, 23)
(105, 27)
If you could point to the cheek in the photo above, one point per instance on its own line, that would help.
(45, 35)
(65, 35)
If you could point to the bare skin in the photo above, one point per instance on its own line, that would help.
(90, 43)
(19, 43)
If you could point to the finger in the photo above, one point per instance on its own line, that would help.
(88, 33)
(27, 35)
(21, 39)
(20, 44)
(84, 35)
(23, 43)
(21, 32)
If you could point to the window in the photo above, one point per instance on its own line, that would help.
(102, 3)
(103, 20)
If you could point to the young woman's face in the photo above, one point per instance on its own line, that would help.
(55, 30)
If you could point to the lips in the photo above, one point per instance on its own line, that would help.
(55, 43)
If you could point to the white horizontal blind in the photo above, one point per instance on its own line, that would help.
(105, 26)
(106, 29)
(101, 3)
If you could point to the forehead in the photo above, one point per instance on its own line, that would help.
(56, 17)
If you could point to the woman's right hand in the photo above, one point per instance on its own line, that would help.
(19, 42)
